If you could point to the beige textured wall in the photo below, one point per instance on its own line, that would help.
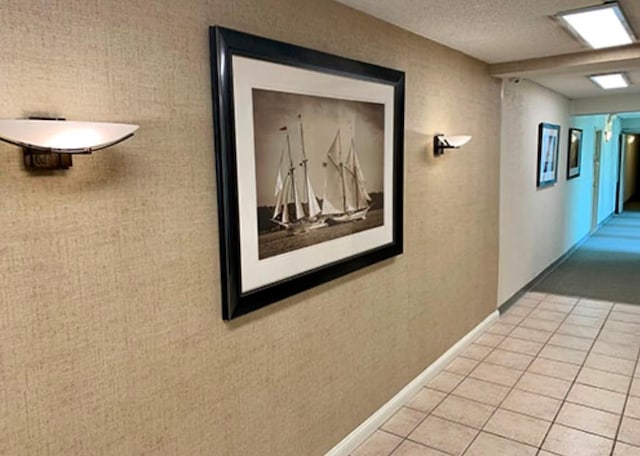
(111, 341)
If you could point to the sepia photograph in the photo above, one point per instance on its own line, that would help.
(309, 167)
(319, 169)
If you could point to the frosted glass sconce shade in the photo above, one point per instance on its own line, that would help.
(48, 143)
(442, 142)
(68, 137)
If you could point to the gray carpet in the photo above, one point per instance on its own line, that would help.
(605, 267)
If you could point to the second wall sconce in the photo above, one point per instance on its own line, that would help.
(49, 143)
(442, 142)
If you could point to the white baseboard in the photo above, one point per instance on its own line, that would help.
(362, 432)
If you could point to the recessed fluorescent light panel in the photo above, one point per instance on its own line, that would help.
(610, 81)
(599, 26)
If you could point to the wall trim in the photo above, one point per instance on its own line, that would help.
(549, 269)
(362, 432)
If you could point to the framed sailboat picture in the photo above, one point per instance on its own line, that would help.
(548, 144)
(309, 166)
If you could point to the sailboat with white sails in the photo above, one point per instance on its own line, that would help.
(345, 197)
(306, 214)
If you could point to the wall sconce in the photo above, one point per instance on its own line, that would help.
(442, 142)
(608, 127)
(49, 143)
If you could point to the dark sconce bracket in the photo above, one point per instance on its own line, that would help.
(439, 145)
(442, 142)
(45, 160)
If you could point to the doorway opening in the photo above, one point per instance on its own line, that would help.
(596, 180)
(628, 194)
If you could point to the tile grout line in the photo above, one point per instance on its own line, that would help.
(553, 333)
(564, 400)
(626, 400)
(524, 391)
(519, 377)
(438, 403)
(430, 413)
(564, 378)
(522, 413)
(476, 429)
(405, 439)
(387, 432)
(551, 359)
(449, 393)
(522, 318)
(483, 359)
(594, 339)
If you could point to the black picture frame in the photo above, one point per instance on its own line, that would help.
(548, 147)
(574, 153)
(243, 69)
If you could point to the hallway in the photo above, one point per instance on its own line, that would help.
(555, 375)
(558, 374)
(607, 266)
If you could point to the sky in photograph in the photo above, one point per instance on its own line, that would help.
(321, 119)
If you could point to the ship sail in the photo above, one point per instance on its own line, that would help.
(314, 207)
(332, 198)
(357, 195)
(279, 196)
(278, 193)
(296, 199)
(285, 202)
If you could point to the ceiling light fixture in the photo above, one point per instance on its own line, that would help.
(599, 26)
(48, 143)
(610, 81)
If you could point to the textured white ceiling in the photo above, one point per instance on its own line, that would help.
(577, 85)
(490, 30)
(498, 31)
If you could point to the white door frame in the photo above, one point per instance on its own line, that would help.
(597, 153)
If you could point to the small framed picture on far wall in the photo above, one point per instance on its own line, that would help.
(574, 154)
(548, 143)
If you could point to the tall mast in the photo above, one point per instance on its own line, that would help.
(294, 189)
(355, 175)
(354, 166)
(291, 170)
(304, 164)
(279, 190)
(344, 189)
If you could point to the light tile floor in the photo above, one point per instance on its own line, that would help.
(555, 375)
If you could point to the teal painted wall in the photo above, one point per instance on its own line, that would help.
(609, 163)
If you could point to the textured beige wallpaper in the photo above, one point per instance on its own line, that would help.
(111, 341)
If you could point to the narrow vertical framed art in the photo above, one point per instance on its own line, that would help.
(309, 166)
(574, 153)
(548, 146)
